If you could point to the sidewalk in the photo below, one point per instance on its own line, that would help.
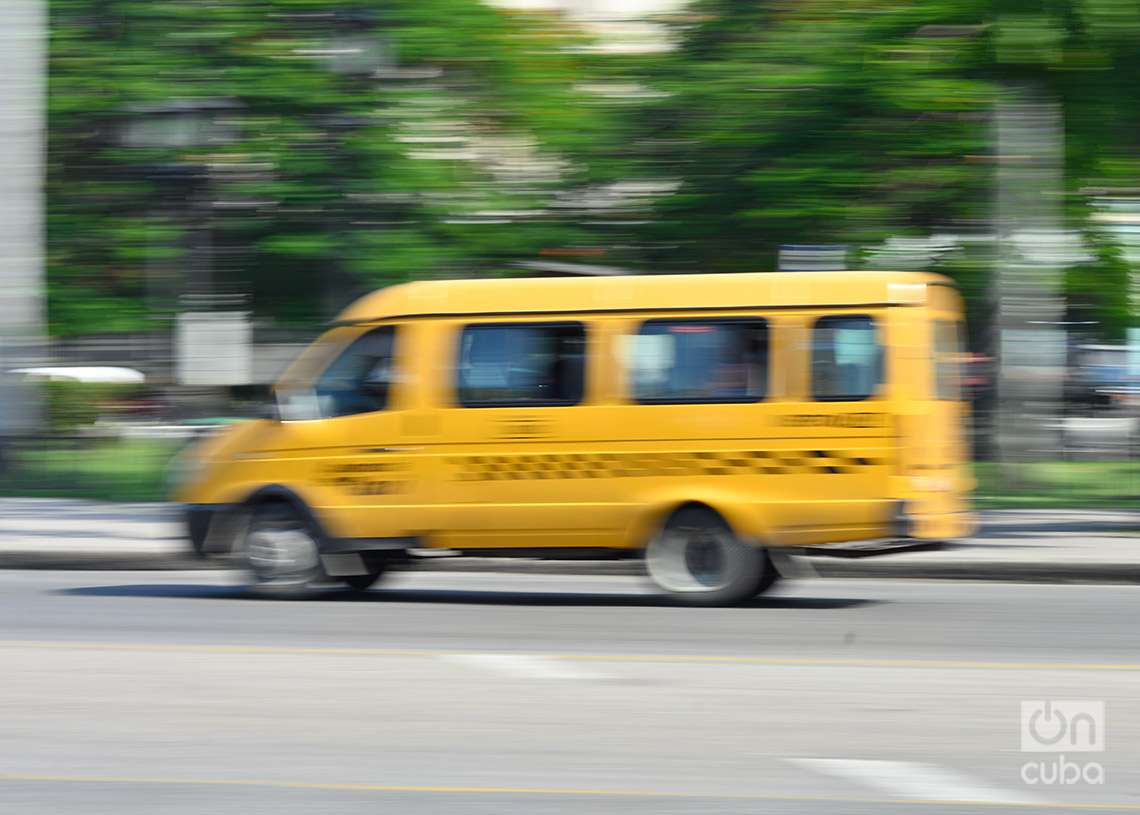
(65, 533)
(1039, 545)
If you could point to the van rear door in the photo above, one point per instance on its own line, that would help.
(934, 475)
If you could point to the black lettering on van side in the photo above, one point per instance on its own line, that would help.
(842, 420)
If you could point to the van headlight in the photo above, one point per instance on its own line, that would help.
(186, 467)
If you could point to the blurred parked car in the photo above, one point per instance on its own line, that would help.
(1099, 377)
(95, 374)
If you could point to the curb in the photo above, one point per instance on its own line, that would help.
(1062, 572)
(103, 561)
(801, 567)
(792, 568)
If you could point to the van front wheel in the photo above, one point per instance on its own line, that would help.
(363, 582)
(282, 554)
(699, 560)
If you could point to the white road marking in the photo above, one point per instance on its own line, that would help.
(533, 667)
(914, 781)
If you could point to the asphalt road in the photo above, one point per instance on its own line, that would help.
(127, 692)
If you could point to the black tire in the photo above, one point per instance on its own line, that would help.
(770, 577)
(697, 559)
(363, 582)
(281, 552)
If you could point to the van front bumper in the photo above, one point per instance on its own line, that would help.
(199, 518)
(213, 529)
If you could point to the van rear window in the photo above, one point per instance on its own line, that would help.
(947, 352)
(846, 358)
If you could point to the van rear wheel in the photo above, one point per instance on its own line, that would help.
(699, 560)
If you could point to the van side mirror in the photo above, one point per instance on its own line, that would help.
(295, 405)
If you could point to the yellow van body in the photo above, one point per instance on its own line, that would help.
(601, 475)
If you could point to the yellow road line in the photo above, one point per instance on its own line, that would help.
(334, 786)
(443, 789)
(848, 662)
(837, 662)
(213, 648)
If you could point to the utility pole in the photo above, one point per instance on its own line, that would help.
(23, 84)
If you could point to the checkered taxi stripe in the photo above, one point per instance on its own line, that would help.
(633, 465)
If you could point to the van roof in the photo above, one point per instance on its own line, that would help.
(530, 295)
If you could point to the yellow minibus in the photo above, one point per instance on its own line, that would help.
(700, 422)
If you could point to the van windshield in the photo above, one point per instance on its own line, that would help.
(305, 369)
(295, 394)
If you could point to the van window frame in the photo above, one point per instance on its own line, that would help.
(728, 400)
(457, 391)
(876, 391)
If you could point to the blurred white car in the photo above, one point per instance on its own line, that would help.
(104, 374)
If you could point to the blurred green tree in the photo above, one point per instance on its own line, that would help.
(371, 142)
(835, 122)
(821, 121)
(360, 143)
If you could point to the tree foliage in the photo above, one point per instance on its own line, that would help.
(479, 137)
(832, 122)
(354, 144)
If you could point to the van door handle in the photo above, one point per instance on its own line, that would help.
(389, 449)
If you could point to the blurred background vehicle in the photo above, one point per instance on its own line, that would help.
(1101, 377)
(94, 373)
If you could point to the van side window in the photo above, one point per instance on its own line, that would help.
(359, 379)
(947, 353)
(699, 361)
(525, 365)
(846, 358)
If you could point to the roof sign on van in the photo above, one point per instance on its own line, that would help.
(812, 258)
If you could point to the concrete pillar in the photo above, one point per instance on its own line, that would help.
(23, 86)
(1033, 248)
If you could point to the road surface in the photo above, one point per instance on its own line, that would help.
(132, 692)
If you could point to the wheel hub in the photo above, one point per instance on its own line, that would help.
(281, 553)
(689, 560)
(704, 558)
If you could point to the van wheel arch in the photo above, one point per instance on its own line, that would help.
(237, 517)
(655, 519)
(280, 494)
(666, 514)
